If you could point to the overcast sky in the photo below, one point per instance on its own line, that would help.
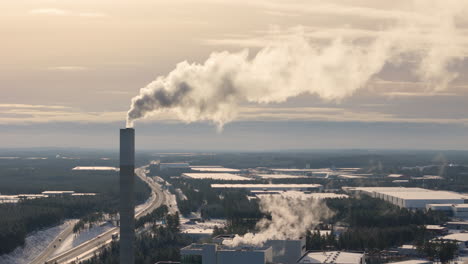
(69, 70)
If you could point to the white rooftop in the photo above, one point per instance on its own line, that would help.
(301, 170)
(462, 237)
(100, 168)
(216, 176)
(414, 193)
(266, 186)
(336, 257)
(297, 194)
(351, 176)
(213, 169)
(280, 176)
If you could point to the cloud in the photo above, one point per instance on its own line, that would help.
(68, 68)
(92, 14)
(418, 94)
(31, 106)
(63, 12)
(25, 113)
(49, 11)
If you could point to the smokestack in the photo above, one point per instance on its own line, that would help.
(127, 200)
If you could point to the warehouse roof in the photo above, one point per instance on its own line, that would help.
(216, 176)
(266, 186)
(279, 176)
(462, 237)
(414, 193)
(213, 169)
(100, 168)
(297, 194)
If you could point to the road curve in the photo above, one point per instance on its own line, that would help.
(88, 248)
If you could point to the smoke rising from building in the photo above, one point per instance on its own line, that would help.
(291, 217)
(427, 42)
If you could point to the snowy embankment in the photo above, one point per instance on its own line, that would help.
(77, 239)
(36, 242)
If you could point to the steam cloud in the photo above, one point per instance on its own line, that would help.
(427, 40)
(291, 217)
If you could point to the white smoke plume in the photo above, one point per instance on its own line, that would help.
(294, 65)
(291, 217)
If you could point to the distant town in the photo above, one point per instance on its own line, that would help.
(200, 209)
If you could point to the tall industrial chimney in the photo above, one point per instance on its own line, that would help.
(127, 200)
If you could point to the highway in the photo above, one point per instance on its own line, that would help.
(88, 248)
(56, 242)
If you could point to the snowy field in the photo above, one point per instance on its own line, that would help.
(35, 244)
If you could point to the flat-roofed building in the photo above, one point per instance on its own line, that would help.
(297, 194)
(218, 254)
(460, 210)
(279, 176)
(457, 225)
(284, 251)
(287, 251)
(336, 257)
(58, 193)
(270, 187)
(213, 169)
(460, 238)
(412, 198)
(215, 176)
(95, 168)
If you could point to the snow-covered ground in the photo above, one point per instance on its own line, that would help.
(77, 239)
(35, 244)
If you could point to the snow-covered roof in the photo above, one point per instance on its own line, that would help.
(216, 176)
(99, 168)
(462, 237)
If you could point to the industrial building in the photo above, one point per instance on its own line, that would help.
(215, 176)
(270, 187)
(286, 251)
(336, 257)
(457, 225)
(455, 210)
(58, 193)
(296, 194)
(219, 254)
(95, 168)
(278, 176)
(213, 169)
(412, 198)
(460, 238)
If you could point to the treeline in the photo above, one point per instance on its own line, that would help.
(373, 224)
(17, 220)
(162, 243)
(157, 215)
(211, 203)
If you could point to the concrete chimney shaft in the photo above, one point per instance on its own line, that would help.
(127, 199)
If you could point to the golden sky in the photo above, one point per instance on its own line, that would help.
(83, 60)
